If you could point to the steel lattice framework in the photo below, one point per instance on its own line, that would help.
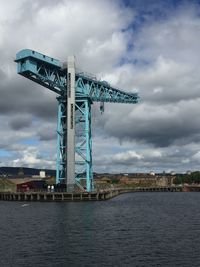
(76, 91)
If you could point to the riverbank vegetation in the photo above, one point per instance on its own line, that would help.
(193, 178)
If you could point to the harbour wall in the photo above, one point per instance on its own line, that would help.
(82, 196)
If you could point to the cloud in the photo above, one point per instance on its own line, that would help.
(47, 133)
(167, 78)
(18, 122)
(31, 157)
(155, 53)
(57, 28)
(163, 68)
(128, 155)
(160, 125)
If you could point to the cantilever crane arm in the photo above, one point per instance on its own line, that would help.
(101, 91)
(49, 73)
(41, 69)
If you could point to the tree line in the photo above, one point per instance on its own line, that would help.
(193, 178)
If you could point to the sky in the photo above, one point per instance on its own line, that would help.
(151, 47)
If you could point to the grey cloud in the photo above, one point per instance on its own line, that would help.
(27, 97)
(175, 36)
(170, 158)
(2, 74)
(18, 122)
(47, 134)
(157, 125)
(162, 82)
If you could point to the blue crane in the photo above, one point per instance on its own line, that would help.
(76, 91)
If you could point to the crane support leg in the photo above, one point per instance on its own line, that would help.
(74, 139)
(65, 172)
(83, 159)
(61, 141)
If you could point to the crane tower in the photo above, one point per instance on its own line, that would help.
(76, 91)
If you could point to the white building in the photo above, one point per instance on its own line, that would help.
(42, 174)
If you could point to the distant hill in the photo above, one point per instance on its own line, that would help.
(14, 171)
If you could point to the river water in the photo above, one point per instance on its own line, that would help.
(135, 229)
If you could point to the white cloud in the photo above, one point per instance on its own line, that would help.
(30, 157)
(176, 37)
(128, 155)
(196, 156)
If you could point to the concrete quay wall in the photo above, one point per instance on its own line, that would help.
(93, 196)
(44, 196)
